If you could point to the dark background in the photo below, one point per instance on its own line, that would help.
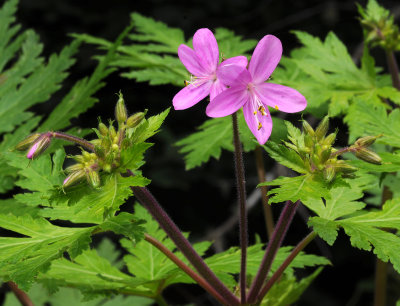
(201, 200)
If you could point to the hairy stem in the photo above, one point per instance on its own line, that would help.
(241, 188)
(150, 203)
(269, 219)
(274, 244)
(380, 266)
(278, 273)
(393, 69)
(84, 143)
(185, 268)
(21, 295)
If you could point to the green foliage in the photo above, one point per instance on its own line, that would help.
(68, 296)
(366, 119)
(324, 72)
(215, 134)
(153, 55)
(288, 290)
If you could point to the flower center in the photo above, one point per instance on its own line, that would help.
(256, 104)
(197, 81)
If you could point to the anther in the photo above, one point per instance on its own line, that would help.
(259, 126)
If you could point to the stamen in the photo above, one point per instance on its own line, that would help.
(186, 82)
(276, 107)
(261, 109)
(259, 126)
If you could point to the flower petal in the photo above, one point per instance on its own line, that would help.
(191, 95)
(262, 134)
(190, 60)
(236, 60)
(283, 98)
(206, 47)
(265, 58)
(233, 75)
(216, 88)
(227, 102)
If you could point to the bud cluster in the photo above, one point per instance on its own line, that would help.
(106, 149)
(379, 27)
(320, 157)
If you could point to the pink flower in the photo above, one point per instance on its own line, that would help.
(202, 63)
(248, 89)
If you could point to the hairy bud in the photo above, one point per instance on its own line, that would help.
(39, 146)
(103, 129)
(366, 141)
(368, 156)
(121, 113)
(74, 177)
(307, 128)
(93, 178)
(322, 128)
(135, 119)
(27, 142)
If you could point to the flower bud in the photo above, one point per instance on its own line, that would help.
(93, 178)
(135, 119)
(100, 151)
(39, 146)
(368, 156)
(73, 168)
(342, 166)
(329, 174)
(74, 178)
(366, 141)
(330, 139)
(325, 155)
(103, 129)
(27, 142)
(121, 113)
(308, 141)
(307, 128)
(112, 132)
(322, 128)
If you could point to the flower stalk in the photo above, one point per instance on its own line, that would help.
(241, 189)
(185, 268)
(278, 273)
(22, 297)
(268, 216)
(274, 244)
(150, 203)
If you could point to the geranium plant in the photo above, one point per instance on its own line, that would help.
(58, 208)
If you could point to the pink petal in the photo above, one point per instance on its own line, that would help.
(206, 47)
(236, 60)
(283, 98)
(189, 58)
(191, 95)
(266, 57)
(233, 75)
(227, 102)
(216, 88)
(252, 121)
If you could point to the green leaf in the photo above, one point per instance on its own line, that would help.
(69, 296)
(125, 224)
(85, 205)
(324, 72)
(326, 229)
(90, 272)
(148, 263)
(215, 134)
(285, 156)
(339, 201)
(385, 245)
(296, 188)
(147, 127)
(212, 136)
(80, 97)
(366, 119)
(288, 290)
(21, 259)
